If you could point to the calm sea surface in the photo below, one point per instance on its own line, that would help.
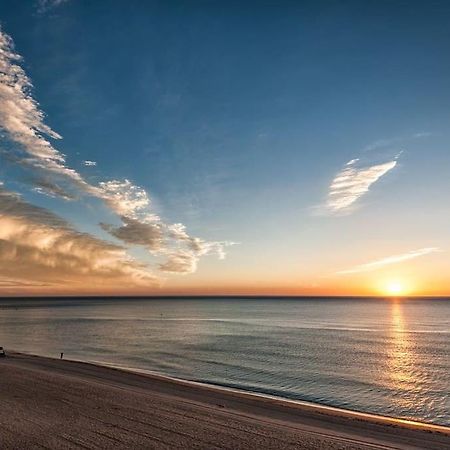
(380, 356)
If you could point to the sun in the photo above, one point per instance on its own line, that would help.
(395, 287)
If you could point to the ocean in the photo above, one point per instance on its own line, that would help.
(382, 356)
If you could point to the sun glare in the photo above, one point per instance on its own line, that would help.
(395, 288)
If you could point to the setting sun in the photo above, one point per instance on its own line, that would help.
(395, 288)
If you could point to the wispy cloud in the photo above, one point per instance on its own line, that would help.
(387, 144)
(46, 5)
(422, 134)
(185, 259)
(51, 189)
(395, 259)
(18, 283)
(352, 182)
(359, 174)
(22, 122)
(383, 144)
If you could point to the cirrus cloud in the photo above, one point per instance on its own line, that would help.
(352, 182)
(395, 259)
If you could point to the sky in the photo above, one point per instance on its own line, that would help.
(205, 147)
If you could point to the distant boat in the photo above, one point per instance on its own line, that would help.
(2, 352)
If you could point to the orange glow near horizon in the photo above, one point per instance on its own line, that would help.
(384, 284)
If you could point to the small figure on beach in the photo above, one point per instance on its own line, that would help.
(2, 352)
(62, 354)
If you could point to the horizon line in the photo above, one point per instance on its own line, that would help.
(224, 296)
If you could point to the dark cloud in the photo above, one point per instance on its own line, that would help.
(149, 235)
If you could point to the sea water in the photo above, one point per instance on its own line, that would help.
(383, 356)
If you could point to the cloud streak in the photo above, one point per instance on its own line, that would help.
(395, 259)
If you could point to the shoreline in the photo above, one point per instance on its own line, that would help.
(333, 410)
(71, 404)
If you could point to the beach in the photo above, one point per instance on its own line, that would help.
(51, 403)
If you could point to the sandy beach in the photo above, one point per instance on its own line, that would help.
(59, 404)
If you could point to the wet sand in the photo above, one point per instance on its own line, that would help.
(60, 404)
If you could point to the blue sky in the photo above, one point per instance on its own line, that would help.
(236, 120)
